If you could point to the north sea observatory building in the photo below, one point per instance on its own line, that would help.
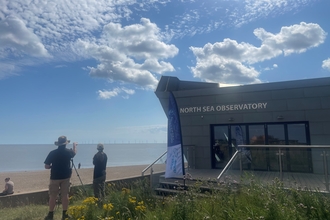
(281, 113)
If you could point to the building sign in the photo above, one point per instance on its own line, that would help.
(224, 108)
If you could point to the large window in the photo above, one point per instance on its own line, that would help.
(225, 138)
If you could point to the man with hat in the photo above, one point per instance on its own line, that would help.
(59, 163)
(100, 165)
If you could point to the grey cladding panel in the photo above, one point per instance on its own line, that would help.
(317, 91)
(228, 98)
(325, 102)
(258, 117)
(304, 104)
(203, 100)
(318, 115)
(185, 120)
(288, 93)
(203, 119)
(183, 101)
(289, 116)
(326, 127)
(256, 96)
(316, 128)
(276, 105)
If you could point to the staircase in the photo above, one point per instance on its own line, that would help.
(174, 186)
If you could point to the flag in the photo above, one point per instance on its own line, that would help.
(174, 161)
(240, 141)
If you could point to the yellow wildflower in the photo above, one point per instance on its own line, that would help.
(132, 199)
(90, 200)
(108, 207)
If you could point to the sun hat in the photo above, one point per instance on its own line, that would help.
(62, 140)
(100, 146)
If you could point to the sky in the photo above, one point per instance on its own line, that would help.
(88, 69)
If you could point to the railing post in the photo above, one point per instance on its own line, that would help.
(240, 161)
(280, 162)
(188, 158)
(325, 164)
(151, 173)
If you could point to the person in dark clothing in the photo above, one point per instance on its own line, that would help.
(100, 165)
(59, 163)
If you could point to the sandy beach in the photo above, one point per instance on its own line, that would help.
(29, 181)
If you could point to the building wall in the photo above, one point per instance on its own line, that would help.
(307, 100)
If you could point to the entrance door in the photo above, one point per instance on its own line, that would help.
(220, 152)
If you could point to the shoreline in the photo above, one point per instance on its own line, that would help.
(31, 181)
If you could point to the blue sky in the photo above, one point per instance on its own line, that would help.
(88, 69)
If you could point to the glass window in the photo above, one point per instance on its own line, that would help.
(258, 155)
(238, 135)
(257, 135)
(276, 134)
(297, 134)
(300, 158)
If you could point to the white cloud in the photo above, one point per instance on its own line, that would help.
(130, 54)
(44, 28)
(326, 64)
(18, 40)
(203, 17)
(108, 94)
(136, 53)
(230, 62)
(256, 9)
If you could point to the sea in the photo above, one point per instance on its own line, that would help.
(31, 157)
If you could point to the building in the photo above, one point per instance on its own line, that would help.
(280, 113)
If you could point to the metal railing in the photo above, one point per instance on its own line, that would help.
(152, 169)
(150, 166)
(189, 162)
(319, 160)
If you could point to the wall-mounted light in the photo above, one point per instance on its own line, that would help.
(230, 119)
(280, 117)
(202, 116)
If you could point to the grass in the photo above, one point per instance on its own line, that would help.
(136, 201)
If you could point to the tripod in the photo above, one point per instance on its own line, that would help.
(74, 166)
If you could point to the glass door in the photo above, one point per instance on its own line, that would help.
(257, 137)
(275, 136)
(221, 153)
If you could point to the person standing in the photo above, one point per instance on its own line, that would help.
(59, 163)
(99, 175)
(9, 187)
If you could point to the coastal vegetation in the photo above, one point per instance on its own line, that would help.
(228, 201)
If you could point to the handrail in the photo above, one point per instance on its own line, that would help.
(227, 165)
(285, 146)
(279, 154)
(145, 169)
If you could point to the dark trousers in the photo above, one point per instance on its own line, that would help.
(99, 187)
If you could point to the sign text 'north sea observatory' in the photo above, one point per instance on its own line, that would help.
(223, 108)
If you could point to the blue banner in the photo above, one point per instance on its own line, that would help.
(174, 161)
(240, 141)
